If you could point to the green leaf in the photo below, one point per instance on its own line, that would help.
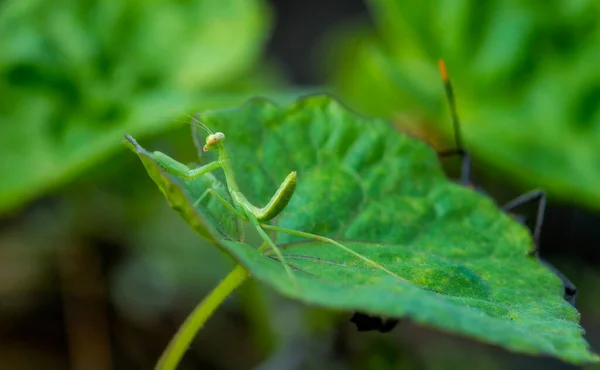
(75, 75)
(462, 263)
(524, 74)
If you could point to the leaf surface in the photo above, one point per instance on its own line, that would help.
(458, 263)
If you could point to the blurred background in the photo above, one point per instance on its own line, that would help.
(96, 272)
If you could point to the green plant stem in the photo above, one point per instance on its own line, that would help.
(194, 322)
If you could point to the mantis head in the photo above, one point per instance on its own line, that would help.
(213, 141)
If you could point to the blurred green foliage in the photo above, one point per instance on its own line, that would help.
(458, 263)
(525, 73)
(76, 75)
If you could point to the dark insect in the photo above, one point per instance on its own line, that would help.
(365, 322)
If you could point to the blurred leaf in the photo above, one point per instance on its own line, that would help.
(525, 74)
(75, 75)
(461, 263)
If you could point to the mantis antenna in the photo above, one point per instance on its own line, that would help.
(196, 121)
(193, 119)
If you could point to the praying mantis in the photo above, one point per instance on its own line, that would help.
(241, 207)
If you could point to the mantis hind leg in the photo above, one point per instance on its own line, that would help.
(272, 245)
(320, 238)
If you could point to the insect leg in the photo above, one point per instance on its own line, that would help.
(570, 290)
(240, 216)
(331, 241)
(271, 245)
(225, 203)
(200, 171)
(533, 196)
(570, 293)
(465, 163)
(176, 168)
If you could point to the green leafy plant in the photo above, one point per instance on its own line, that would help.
(461, 263)
(526, 78)
(75, 75)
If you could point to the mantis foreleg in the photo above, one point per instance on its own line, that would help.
(179, 169)
(331, 241)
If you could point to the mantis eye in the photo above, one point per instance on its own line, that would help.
(214, 140)
(219, 136)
